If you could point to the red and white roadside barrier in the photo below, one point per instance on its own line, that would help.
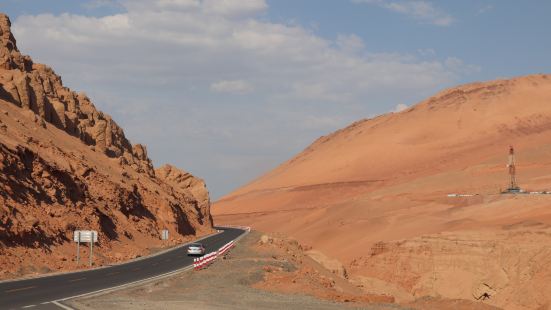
(226, 248)
(245, 228)
(207, 259)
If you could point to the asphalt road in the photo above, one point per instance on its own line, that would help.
(40, 292)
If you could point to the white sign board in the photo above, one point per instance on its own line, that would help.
(164, 235)
(85, 236)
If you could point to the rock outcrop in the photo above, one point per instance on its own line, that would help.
(37, 88)
(186, 183)
(64, 165)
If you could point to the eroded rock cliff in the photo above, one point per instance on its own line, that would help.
(64, 165)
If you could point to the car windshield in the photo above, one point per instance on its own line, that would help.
(195, 245)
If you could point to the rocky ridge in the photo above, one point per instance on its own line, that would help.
(187, 184)
(37, 88)
(64, 165)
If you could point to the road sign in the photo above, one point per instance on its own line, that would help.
(89, 236)
(164, 234)
(85, 236)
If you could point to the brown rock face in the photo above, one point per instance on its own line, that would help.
(10, 57)
(185, 183)
(64, 165)
(36, 87)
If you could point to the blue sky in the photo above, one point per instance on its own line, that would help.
(229, 89)
(504, 38)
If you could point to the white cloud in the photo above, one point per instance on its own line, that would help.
(423, 11)
(160, 5)
(97, 4)
(234, 86)
(159, 62)
(350, 43)
(459, 66)
(427, 52)
(235, 8)
(400, 107)
(485, 9)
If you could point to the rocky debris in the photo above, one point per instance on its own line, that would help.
(291, 269)
(333, 265)
(477, 266)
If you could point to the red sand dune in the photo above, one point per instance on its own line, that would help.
(372, 197)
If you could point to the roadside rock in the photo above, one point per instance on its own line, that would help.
(185, 182)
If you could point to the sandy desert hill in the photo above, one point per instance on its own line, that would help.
(64, 165)
(372, 199)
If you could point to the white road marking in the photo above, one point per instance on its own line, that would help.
(110, 289)
(62, 306)
(29, 306)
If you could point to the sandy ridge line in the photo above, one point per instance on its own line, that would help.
(301, 188)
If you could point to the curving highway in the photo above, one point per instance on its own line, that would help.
(47, 292)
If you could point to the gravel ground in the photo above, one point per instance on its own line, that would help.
(224, 285)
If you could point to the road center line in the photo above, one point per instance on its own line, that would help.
(19, 289)
(29, 306)
(75, 280)
(113, 273)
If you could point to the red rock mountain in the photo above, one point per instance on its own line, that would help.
(64, 165)
(372, 198)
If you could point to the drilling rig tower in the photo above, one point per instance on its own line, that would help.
(513, 187)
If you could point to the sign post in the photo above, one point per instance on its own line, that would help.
(78, 246)
(90, 236)
(91, 248)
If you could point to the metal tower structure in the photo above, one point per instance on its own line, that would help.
(513, 187)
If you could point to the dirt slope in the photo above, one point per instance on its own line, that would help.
(64, 165)
(373, 197)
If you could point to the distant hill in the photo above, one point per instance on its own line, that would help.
(374, 196)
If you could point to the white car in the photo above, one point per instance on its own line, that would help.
(196, 249)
